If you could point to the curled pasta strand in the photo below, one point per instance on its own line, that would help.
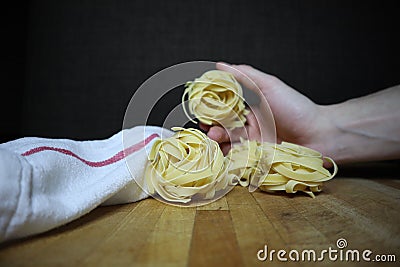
(286, 166)
(186, 164)
(216, 98)
(190, 164)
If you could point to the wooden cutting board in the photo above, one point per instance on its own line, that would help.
(228, 232)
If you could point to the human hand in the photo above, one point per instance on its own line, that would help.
(297, 119)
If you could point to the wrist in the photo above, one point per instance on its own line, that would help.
(351, 134)
(328, 137)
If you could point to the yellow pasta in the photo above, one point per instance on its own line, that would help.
(190, 164)
(216, 98)
(244, 162)
(186, 164)
(284, 166)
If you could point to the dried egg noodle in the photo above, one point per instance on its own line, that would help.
(186, 164)
(189, 163)
(216, 98)
(284, 166)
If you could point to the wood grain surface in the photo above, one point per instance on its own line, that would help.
(228, 232)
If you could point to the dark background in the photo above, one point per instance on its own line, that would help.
(69, 68)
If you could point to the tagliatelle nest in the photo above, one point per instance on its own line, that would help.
(284, 166)
(186, 164)
(189, 164)
(216, 98)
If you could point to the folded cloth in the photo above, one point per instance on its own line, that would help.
(45, 183)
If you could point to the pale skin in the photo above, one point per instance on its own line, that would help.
(357, 130)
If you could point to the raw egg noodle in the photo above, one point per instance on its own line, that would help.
(189, 163)
(244, 162)
(186, 164)
(216, 98)
(284, 166)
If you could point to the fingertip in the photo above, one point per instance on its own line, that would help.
(223, 65)
(218, 134)
(225, 147)
(204, 127)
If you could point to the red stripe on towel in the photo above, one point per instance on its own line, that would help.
(117, 157)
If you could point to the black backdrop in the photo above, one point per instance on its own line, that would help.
(70, 67)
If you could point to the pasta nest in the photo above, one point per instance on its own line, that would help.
(216, 98)
(186, 164)
(276, 167)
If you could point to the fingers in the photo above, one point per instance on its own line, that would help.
(221, 135)
(204, 127)
(250, 131)
(261, 127)
(225, 147)
(241, 76)
(218, 134)
(253, 79)
(252, 120)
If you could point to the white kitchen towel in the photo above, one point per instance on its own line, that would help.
(45, 183)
